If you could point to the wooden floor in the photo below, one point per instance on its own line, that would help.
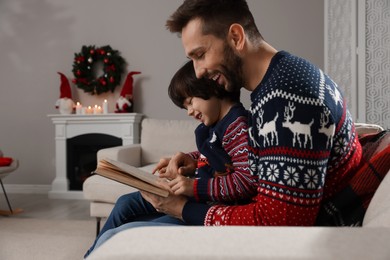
(40, 206)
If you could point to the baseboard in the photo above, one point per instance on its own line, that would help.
(26, 189)
(41, 189)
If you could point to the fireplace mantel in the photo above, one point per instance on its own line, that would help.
(122, 125)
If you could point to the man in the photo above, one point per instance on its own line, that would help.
(303, 144)
(304, 147)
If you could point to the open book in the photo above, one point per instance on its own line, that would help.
(132, 176)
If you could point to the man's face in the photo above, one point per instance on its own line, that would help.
(213, 58)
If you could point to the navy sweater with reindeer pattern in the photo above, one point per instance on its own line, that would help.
(303, 148)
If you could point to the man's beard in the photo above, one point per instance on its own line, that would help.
(232, 70)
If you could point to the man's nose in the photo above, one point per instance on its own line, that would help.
(199, 71)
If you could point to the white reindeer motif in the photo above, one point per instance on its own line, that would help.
(268, 128)
(255, 144)
(326, 130)
(297, 128)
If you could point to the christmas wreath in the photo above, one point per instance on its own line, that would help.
(113, 67)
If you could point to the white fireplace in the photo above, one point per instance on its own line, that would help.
(121, 125)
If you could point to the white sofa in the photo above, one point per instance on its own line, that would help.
(163, 138)
(159, 138)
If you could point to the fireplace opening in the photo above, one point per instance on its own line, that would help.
(81, 156)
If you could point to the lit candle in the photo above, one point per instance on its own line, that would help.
(89, 110)
(95, 109)
(79, 108)
(105, 107)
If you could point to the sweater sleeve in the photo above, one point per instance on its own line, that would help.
(237, 183)
(194, 213)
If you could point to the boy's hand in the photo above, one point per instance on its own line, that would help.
(164, 183)
(161, 166)
(182, 185)
(179, 164)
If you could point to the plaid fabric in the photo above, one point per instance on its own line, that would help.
(349, 206)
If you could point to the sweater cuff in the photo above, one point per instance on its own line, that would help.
(201, 189)
(195, 213)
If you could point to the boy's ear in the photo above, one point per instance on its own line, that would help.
(236, 36)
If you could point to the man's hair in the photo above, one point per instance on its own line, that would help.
(216, 16)
(185, 84)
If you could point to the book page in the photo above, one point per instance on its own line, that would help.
(134, 171)
(131, 176)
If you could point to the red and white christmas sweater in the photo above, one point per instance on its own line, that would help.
(223, 173)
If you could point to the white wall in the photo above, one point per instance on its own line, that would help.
(39, 38)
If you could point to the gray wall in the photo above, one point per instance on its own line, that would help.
(39, 38)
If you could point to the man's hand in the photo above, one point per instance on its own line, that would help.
(172, 205)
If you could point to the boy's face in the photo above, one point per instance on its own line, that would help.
(206, 111)
(213, 58)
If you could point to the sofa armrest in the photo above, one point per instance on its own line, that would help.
(210, 243)
(362, 128)
(130, 154)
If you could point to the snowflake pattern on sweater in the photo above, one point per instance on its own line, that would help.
(304, 147)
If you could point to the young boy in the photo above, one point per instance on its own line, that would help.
(222, 175)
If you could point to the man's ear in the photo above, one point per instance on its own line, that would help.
(236, 36)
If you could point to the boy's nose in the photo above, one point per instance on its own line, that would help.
(190, 111)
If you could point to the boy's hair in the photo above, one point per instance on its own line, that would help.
(185, 84)
(216, 17)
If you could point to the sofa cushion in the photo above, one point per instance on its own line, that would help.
(211, 243)
(101, 189)
(378, 212)
(163, 138)
(362, 128)
(98, 188)
(100, 209)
